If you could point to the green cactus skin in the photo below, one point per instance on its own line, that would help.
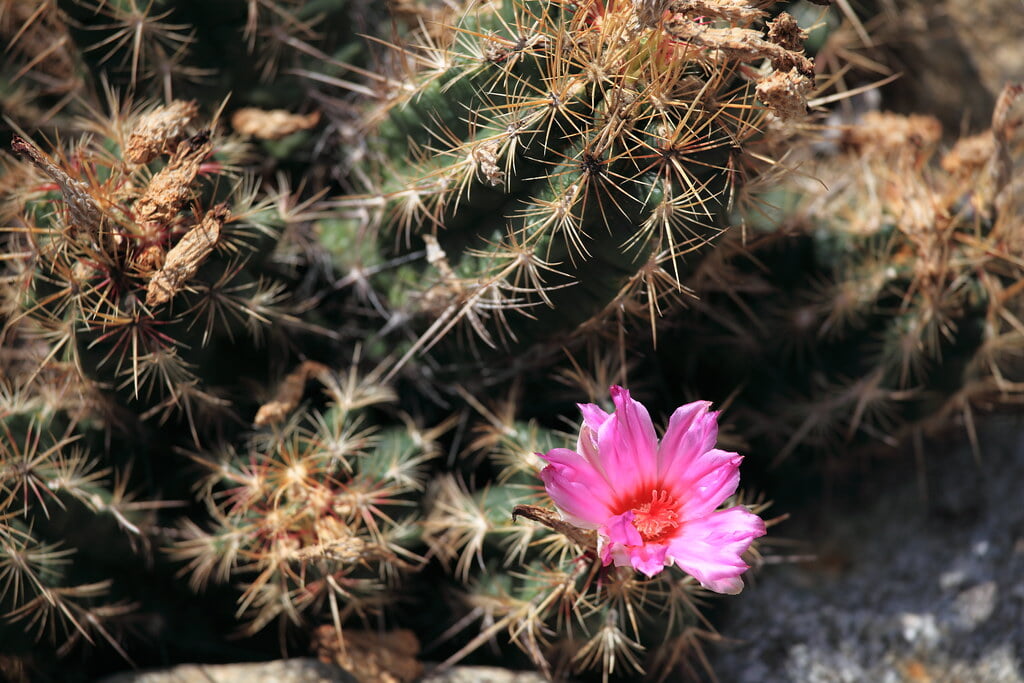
(877, 308)
(543, 584)
(317, 516)
(558, 160)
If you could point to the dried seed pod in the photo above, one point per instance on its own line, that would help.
(273, 124)
(785, 93)
(1008, 115)
(785, 32)
(184, 259)
(289, 393)
(171, 187)
(159, 130)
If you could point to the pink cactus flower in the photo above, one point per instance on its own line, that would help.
(654, 503)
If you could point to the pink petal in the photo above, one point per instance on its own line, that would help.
(692, 431)
(713, 477)
(649, 558)
(593, 415)
(586, 445)
(581, 493)
(624, 545)
(628, 444)
(620, 530)
(709, 548)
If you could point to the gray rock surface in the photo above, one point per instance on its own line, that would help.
(904, 588)
(307, 670)
(483, 674)
(299, 670)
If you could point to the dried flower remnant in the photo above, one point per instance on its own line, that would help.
(654, 504)
(273, 124)
(184, 259)
(159, 131)
(881, 132)
(783, 89)
(172, 186)
(785, 93)
(289, 393)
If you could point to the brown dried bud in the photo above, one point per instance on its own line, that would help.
(485, 156)
(969, 155)
(272, 124)
(83, 211)
(786, 33)
(158, 131)
(185, 257)
(171, 187)
(289, 393)
(584, 538)
(785, 93)
(883, 132)
(1007, 121)
(150, 259)
(1008, 115)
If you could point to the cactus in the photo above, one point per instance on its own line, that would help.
(57, 500)
(136, 260)
(143, 274)
(558, 160)
(43, 70)
(880, 306)
(541, 581)
(318, 515)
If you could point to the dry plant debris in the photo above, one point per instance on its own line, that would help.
(289, 393)
(273, 124)
(185, 257)
(159, 131)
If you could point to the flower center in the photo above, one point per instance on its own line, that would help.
(657, 517)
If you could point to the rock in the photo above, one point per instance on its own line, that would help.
(279, 671)
(903, 589)
(483, 674)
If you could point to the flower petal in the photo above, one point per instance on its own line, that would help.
(628, 445)
(691, 432)
(709, 548)
(620, 530)
(579, 491)
(621, 543)
(713, 476)
(593, 415)
(586, 445)
(648, 558)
